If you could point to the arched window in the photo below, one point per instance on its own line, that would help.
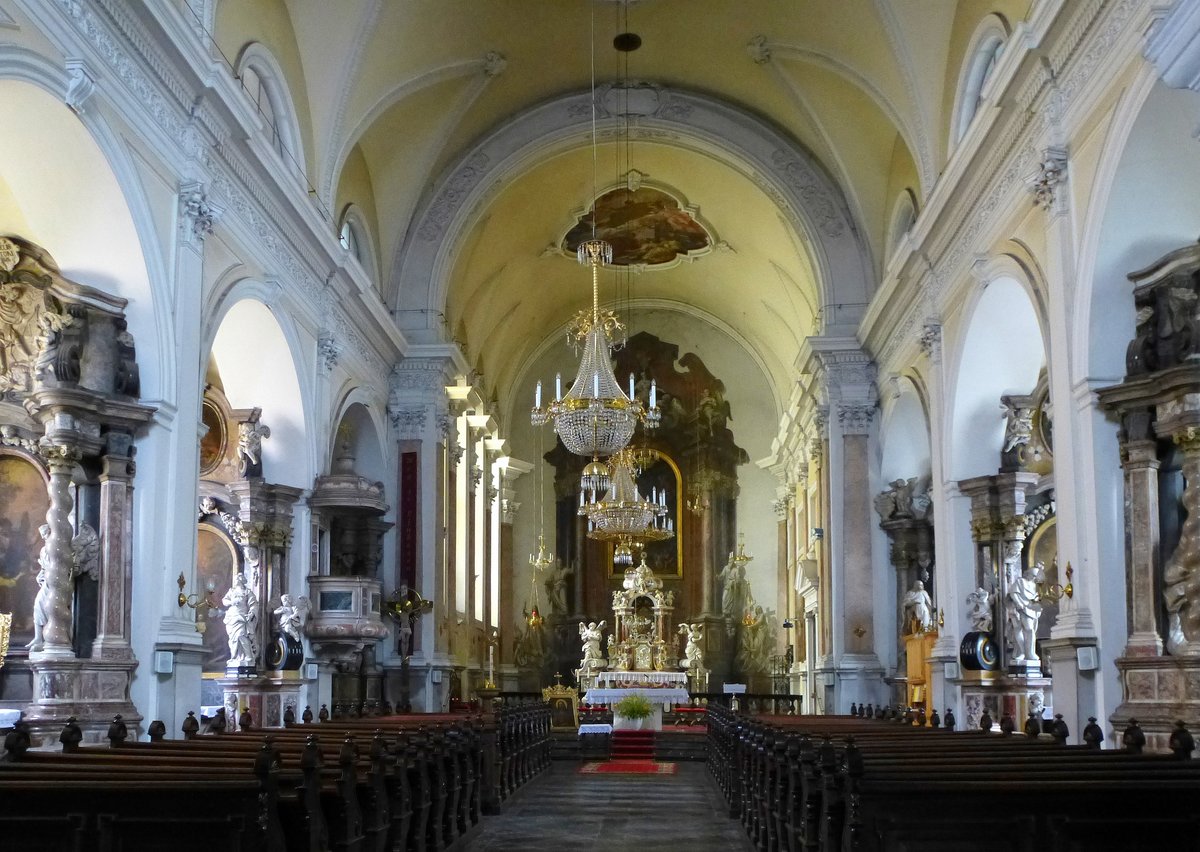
(262, 80)
(349, 240)
(904, 213)
(986, 47)
(355, 237)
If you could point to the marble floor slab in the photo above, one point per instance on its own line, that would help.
(608, 813)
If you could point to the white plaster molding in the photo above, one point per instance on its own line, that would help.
(197, 215)
(329, 350)
(81, 85)
(1046, 183)
(1174, 46)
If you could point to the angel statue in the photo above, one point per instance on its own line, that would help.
(291, 615)
(593, 660)
(693, 654)
(979, 613)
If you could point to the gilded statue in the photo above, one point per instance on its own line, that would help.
(593, 659)
(693, 654)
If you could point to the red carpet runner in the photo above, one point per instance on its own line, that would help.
(628, 767)
(632, 745)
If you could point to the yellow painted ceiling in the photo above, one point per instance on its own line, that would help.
(865, 85)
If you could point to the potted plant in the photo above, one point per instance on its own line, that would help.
(634, 708)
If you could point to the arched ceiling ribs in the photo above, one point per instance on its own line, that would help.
(925, 155)
(786, 173)
(487, 67)
(335, 156)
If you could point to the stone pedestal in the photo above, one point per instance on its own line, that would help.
(93, 691)
(1000, 694)
(267, 698)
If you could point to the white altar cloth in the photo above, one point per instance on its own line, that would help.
(665, 696)
(612, 679)
(594, 728)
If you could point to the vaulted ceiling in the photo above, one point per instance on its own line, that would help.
(392, 95)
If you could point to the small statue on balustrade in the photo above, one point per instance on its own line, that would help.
(693, 654)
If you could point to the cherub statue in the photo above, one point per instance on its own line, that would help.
(291, 615)
(693, 654)
(1018, 426)
(980, 612)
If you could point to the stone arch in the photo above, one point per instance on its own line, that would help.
(904, 436)
(255, 354)
(795, 181)
(1001, 348)
(94, 220)
(370, 445)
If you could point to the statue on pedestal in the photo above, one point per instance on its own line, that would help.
(1023, 610)
(693, 654)
(593, 660)
(917, 607)
(979, 613)
(291, 615)
(241, 623)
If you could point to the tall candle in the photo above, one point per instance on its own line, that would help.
(631, 385)
(596, 385)
(653, 393)
(537, 395)
(557, 387)
(492, 664)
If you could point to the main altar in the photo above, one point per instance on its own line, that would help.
(640, 659)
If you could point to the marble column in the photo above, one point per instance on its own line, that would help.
(1139, 459)
(56, 558)
(116, 554)
(858, 607)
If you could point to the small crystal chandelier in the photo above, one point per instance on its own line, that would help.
(623, 516)
(595, 417)
(540, 562)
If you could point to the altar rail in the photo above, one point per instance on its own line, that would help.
(750, 703)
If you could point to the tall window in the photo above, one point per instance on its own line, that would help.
(987, 46)
(349, 240)
(263, 81)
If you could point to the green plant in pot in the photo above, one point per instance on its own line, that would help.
(634, 708)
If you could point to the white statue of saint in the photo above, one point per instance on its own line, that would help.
(291, 615)
(241, 622)
(41, 603)
(979, 613)
(1023, 610)
(591, 634)
(693, 654)
(917, 607)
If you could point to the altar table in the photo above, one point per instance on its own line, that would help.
(659, 699)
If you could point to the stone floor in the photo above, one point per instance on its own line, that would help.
(597, 813)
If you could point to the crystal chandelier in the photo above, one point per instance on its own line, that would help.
(623, 516)
(595, 417)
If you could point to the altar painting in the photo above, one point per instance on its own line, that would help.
(216, 560)
(644, 226)
(22, 511)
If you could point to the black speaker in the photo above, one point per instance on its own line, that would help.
(284, 653)
(978, 652)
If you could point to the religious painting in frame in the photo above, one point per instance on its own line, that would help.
(665, 558)
(216, 560)
(22, 511)
(644, 226)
